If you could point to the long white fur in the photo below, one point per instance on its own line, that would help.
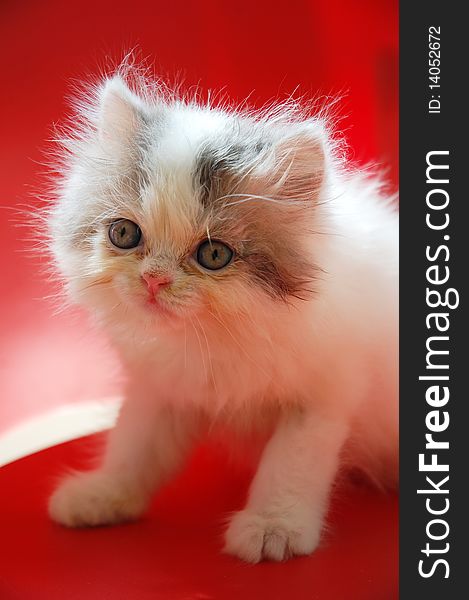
(311, 382)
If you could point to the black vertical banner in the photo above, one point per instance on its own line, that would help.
(434, 250)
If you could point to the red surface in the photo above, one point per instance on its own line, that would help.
(174, 553)
(324, 46)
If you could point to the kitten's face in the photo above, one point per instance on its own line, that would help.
(166, 256)
(175, 212)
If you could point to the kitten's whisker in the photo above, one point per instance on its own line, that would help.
(201, 350)
(185, 346)
(246, 197)
(208, 354)
(97, 282)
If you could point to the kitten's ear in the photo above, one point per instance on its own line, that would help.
(119, 112)
(297, 164)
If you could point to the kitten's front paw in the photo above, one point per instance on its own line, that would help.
(94, 498)
(255, 536)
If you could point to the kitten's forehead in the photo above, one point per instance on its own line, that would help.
(167, 202)
(224, 161)
(187, 129)
(198, 155)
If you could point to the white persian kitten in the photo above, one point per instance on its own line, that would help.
(248, 280)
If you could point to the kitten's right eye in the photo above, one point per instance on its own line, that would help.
(125, 234)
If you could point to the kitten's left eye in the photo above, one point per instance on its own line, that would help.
(125, 234)
(214, 255)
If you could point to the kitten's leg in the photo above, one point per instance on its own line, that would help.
(289, 494)
(147, 445)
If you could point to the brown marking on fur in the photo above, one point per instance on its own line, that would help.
(283, 281)
(266, 233)
(213, 174)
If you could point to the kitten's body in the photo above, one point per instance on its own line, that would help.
(294, 344)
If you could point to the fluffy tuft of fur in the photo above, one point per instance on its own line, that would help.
(292, 344)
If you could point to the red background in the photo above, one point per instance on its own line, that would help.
(259, 47)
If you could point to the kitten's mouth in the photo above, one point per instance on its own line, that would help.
(155, 305)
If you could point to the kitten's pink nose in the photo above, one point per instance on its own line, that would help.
(156, 282)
